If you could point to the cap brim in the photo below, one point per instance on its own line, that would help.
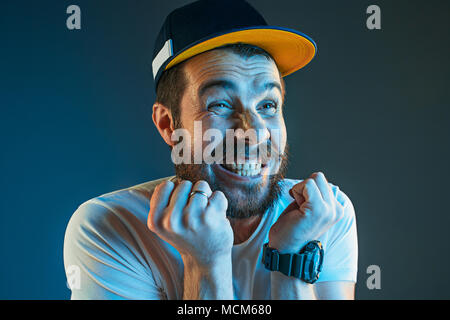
(290, 49)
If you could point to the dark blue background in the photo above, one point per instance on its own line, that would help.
(371, 112)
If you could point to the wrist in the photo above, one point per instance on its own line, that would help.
(213, 280)
(283, 247)
(305, 264)
(210, 266)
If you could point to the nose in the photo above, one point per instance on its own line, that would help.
(253, 129)
(251, 135)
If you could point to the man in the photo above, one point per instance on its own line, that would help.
(219, 230)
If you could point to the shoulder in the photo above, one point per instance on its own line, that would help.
(107, 236)
(123, 203)
(113, 213)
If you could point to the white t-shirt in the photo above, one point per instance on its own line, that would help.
(113, 254)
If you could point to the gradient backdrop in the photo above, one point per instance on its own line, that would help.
(371, 111)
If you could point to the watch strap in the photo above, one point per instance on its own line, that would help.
(290, 264)
(305, 265)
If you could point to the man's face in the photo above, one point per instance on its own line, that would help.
(227, 91)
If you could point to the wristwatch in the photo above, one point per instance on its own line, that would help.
(305, 265)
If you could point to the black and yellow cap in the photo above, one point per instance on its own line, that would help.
(207, 24)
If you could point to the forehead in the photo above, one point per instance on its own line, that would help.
(226, 64)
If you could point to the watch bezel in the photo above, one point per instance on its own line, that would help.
(310, 250)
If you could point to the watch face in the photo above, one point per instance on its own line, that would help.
(313, 261)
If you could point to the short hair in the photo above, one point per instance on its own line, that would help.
(173, 82)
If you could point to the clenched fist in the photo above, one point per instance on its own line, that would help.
(313, 212)
(195, 224)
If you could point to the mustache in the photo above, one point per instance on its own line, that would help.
(252, 206)
(242, 152)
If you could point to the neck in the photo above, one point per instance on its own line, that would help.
(244, 228)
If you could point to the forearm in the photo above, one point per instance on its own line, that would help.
(208, 283)
(290, 288)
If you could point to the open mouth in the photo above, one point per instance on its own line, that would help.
(244, 170)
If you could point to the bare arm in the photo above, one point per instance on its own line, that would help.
(289, 288)
(312, 213)
(212, 283)
(196, 225)
(335, 290)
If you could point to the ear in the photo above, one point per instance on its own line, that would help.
(162, 118)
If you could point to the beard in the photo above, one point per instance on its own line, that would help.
(252, 200)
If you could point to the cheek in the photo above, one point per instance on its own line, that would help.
(213, 133)
(216, 124)
(284, 140)
(279, 133)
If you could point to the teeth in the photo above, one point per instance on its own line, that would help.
(246, 169)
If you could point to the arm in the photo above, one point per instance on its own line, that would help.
(314, 211)
(290, 288)
(335, 290)
(212, 283)
(196, 225)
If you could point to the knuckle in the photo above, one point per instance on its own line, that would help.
(327, 219)
(220, 195)
(155, 224)
(151, 224)
(165, 223)
(220, 199)
(322, 210)
(211, 219)
(320, 175)
(164, 185)
(297, 187)
(207, 219)
(174, 224)
(189, 222)
(202, 184)
(309, 183)
(167, 183)
(339, 211)
(185, 184)
(322, 207)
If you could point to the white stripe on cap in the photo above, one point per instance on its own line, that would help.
(165, 53)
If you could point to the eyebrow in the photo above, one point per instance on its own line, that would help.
(227, 84)
(221, 83)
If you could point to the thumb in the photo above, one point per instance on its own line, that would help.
(297, 195)
(292, 211)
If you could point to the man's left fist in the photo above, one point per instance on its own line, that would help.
(313, 212)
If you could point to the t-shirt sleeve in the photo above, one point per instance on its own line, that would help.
(103, 256)
(341, 245)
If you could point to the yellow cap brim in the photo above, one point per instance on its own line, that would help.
(290, 49)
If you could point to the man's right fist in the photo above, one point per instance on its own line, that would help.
(196, 225)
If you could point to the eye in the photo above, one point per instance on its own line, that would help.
(219, 106)
(268, 107)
